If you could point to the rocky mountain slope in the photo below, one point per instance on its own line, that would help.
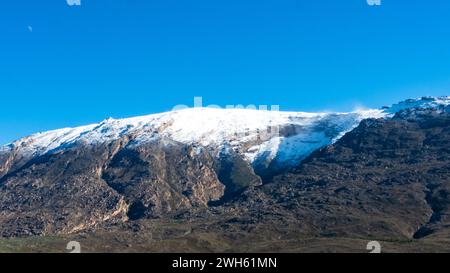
(374, 173)
(386, 179)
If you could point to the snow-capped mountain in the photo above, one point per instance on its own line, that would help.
(260, 136)
(200, 163)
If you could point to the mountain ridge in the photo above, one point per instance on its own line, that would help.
(260, 136)
(117, 184)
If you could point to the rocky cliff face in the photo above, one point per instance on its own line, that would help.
(61, 192)
(84, 186)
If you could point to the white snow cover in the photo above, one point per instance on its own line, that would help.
(422, 103)
(246, 131)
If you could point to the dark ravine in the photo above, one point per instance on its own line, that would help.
(387, 179)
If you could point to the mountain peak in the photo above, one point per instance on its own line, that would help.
(419, 103)
(260, 135)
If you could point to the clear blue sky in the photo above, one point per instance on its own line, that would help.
(67, 66)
